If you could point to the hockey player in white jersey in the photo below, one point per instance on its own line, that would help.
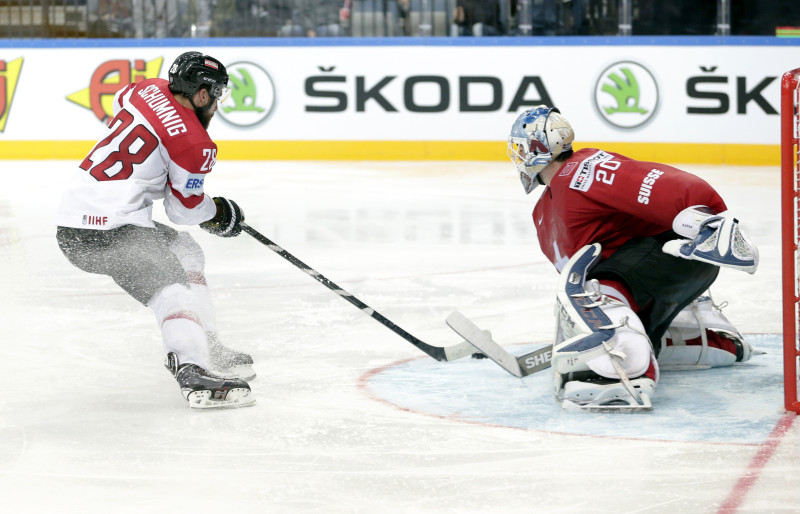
(157, 147)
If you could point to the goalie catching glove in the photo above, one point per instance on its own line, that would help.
(713, 239)
(228, 220)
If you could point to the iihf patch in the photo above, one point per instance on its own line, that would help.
(568, 168)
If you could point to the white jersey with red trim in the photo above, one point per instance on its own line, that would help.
(154, 148)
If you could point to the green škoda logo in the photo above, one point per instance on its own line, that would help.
(252, 95)
(626, 95)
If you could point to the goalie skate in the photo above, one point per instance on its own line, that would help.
(608, 396)
(228, 362)
(701, 337)
(205, 390)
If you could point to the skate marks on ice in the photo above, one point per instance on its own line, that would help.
(740, 404)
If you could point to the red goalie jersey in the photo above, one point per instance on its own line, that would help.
(155, 148)
(607, 198)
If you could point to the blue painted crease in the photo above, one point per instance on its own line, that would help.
(740, 404)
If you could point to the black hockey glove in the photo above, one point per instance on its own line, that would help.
(227, 221)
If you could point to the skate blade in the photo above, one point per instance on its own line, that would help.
(684, 367)
(645, 406)
(235, 398)
(244, 372)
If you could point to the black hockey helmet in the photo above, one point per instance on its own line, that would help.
(192, 71)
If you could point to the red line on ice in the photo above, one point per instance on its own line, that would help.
(760, 460)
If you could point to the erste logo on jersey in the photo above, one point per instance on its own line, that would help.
(195, 181)
(9, 76)
(110, 77)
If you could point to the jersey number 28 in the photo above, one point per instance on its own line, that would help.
(123, 156)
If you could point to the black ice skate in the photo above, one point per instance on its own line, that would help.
(205, 390)
(229, 362)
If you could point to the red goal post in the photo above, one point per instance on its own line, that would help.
(790, 232)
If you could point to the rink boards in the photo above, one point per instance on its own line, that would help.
(698, 100)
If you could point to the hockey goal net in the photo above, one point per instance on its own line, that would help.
(790, 208)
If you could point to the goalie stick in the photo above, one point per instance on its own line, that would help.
(521, 366)
(439, 353)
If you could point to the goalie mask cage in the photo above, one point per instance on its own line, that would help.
(790, 209)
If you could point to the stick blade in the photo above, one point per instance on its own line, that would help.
(483, 341)
(458, 351)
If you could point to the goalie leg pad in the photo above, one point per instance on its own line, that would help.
(607, 341)
(586, 352)
(701, 337)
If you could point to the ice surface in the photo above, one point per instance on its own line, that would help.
(350, 417)
(738, 404)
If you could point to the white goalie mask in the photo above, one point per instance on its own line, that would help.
(538, 136)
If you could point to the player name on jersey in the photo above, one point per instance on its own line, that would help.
(164, 109)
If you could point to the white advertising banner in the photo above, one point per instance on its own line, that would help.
(648, 93)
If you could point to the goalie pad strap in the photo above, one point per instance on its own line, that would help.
(573, 305)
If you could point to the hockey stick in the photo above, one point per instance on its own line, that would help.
(439, 353)
(521, 366)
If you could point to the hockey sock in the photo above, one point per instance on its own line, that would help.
(652, 372)
(205, 307)
(191, 257)
(182, 332)
(715, 340)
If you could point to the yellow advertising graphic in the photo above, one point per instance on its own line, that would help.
(9, 75)
(109, 78)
